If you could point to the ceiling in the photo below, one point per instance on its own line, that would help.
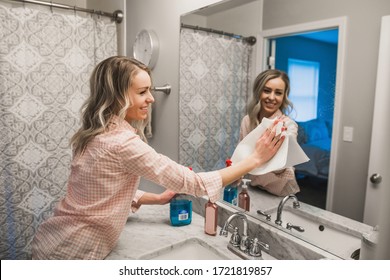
(220, 6)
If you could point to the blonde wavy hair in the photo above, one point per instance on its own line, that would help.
(109, 84)
(254, 106)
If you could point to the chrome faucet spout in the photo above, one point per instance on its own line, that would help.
(243, 240)
(242, 245)
(296, 204)
(224, 229)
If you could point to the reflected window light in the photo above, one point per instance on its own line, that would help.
(304, 77)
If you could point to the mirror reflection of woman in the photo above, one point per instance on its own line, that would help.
(270, 100)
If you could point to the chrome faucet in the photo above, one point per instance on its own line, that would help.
(243, 246)
(243, 240)
(296, 204)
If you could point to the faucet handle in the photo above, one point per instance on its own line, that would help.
(264, 245)
(255, 249)
(267, 216)
(235, 239)
(291, 226)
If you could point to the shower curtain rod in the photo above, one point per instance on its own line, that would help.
(251, 40)
(117, 16)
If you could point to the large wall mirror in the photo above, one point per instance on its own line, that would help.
(217, 68)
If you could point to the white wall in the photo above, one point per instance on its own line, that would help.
(243, 20)
(78, 3)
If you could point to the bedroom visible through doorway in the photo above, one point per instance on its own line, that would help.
(310, 59)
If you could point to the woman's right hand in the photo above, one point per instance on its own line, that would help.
(266, 147)
(269, 143)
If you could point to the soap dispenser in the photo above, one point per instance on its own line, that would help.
(243, 197)
(211, 218)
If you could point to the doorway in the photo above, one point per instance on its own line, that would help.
(312, 54)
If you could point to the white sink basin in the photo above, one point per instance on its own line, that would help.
(334, 238)
(190, 249)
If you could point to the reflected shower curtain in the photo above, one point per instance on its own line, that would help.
(46, 58)
(214, 87)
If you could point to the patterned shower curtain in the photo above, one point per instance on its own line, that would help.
(214, 88)
(46, 58)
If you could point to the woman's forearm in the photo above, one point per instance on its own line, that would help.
(153, 198)
(149, 198)
(236, 171)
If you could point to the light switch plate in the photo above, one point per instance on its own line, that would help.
(348, 134)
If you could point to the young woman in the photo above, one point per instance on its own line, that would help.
(110, 154)
(270, 100)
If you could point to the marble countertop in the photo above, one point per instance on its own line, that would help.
(261, 200)
(149, 230)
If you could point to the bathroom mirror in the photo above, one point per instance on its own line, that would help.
(239, 19)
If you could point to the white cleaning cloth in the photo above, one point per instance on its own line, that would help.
(289, 154)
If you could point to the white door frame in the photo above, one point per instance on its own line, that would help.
(379, 161)
(340, 23)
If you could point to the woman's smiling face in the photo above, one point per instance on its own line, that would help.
(140, 97)
(272, 96)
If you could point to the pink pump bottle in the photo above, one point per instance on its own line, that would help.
(211, 218)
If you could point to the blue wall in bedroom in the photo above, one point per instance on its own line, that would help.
(298, 47)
